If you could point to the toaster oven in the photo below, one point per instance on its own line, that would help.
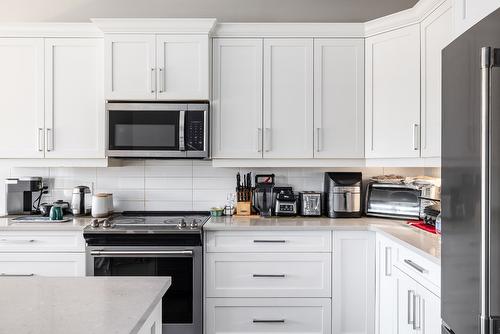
(393, 201)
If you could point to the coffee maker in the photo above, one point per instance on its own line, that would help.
(23, 195)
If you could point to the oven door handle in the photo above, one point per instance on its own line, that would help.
(158, 253)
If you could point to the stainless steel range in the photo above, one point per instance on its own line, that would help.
(154, 244)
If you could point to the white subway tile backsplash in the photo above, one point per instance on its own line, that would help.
(168, 183)
(176, 195)
(176, 184)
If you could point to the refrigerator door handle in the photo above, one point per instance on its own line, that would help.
(490, 58)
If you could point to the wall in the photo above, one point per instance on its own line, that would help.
(224, 10)
(173, 184)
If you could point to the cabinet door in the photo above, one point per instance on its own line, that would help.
(21, 105)
(393, 94)
(288, 98)
(406, 292)
(237, 98)
(74, 101)
(387, 288)
(436, 33)
(183, 65)
(353, 295)
(130, 67)
(428, 315)
(42, 264)
(469, 12)
(339, 98)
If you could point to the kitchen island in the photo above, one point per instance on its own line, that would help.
(74, 305)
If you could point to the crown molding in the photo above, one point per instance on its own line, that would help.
(401, 19)
(49, 30)
(260, 29)
(192, 26)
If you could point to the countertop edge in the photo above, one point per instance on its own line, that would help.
(151, 307)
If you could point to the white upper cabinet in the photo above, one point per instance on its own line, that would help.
(469, 12)
(74, 99)
(237, 98)
(339, 98)
(183, 66)
(21, 105)
(130, 67)
(288, 98)
(393, 94)
(436, 33)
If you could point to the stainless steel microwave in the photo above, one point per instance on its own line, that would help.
(157, 129)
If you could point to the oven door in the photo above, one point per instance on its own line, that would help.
(182, 303)
(146, 129)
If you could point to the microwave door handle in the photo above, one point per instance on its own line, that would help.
(182, 120)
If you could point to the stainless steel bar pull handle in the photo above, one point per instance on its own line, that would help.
(268, 276)
(417, 314)
(270, 241)
(139, 253)
(40, 139)
(411, 314)
(162, 80)
(17, 241)
(182, 119)
(153, 80)
(274, 321)
(388, 261)
(318, 140)
(416, 137)
(268, 140)
(259, 140)
(50, 140)
(16, 275)
(490, 58)
(416, 266)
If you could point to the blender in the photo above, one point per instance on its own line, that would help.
(263, 195)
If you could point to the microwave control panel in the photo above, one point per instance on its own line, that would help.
(195, 130)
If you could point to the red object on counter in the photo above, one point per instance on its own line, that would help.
(423, 226)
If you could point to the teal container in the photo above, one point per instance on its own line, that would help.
(56, 213)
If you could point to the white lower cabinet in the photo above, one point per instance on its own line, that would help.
(42, 264)
(353, 295)
(386, 301)
(418, 308)
(267, 315)
(268, 275)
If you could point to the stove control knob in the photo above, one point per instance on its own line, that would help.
(194, 224)
(182, 224)
(107, 224)
(94, 223)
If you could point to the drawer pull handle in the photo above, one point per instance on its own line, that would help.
(267, 321)
(17, 240)
(270, 241)
(16, 275)
(268, 276)
(416, 266)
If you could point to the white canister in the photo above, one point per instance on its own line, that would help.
(111, 206)
(100, 205)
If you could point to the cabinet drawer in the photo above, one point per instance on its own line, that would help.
(268, 275)
(44, 264)
(258, 315)
(60, 241)
(419, 268)
(269, 241)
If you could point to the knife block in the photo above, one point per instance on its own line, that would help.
(244, 208)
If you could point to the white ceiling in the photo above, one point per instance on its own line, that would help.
(223, 10)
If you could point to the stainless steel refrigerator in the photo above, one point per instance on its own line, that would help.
(470, 277)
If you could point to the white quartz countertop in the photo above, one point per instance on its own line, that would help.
(74, 224)
(74, 305)
(425, 243)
